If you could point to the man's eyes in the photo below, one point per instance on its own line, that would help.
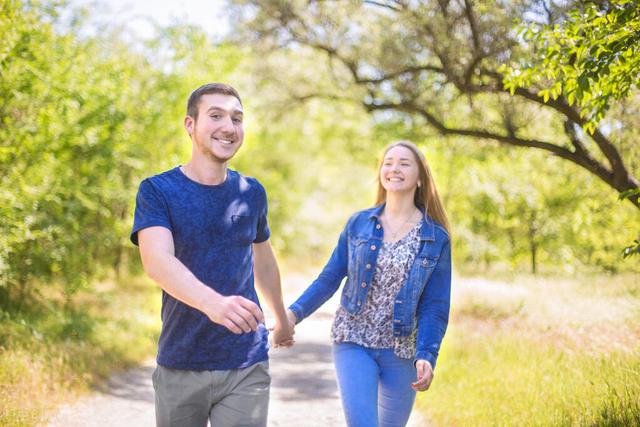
(236, 120)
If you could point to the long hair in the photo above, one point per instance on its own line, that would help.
(426, 194)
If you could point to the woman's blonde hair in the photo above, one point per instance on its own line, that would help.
(426, 195)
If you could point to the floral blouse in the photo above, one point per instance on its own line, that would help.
(373, 326)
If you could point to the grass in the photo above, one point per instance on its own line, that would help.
(544, 354)
(50, 357)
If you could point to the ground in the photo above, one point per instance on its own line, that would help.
(303, 389)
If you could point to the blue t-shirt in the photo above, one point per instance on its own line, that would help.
(213, 227)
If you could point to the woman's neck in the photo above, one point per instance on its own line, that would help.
(399, 205)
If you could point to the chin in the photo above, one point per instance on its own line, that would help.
(397, 190)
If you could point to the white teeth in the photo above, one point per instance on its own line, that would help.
(224, 141)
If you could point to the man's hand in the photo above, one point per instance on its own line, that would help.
(235, 313)
(424, 374)
(283, 334)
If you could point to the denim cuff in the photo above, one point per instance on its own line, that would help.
(426, 356)
(297, 310)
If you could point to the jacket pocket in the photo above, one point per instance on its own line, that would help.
(427, 261)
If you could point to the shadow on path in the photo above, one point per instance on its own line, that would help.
(303, 372)
(130, 385)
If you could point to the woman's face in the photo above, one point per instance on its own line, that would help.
(399, 171)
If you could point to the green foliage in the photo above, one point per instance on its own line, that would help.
(591, 58)
(502, 379)
(80, 122)
(634, 248)
(520, 211)
(48, 356)
(535, 352)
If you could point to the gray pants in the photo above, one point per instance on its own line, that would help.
(237, 397)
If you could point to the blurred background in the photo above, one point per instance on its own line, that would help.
(528, 112)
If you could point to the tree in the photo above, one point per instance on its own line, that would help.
(592, 57)
(433, 60)
(79, 123)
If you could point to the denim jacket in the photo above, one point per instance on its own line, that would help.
(422, 302)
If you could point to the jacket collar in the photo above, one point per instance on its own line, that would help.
(427, 229)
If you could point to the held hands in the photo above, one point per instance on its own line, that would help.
(424, 375)
(283, 334)
(283, 331)
(236, 313)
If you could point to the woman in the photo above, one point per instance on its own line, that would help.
(394, 307)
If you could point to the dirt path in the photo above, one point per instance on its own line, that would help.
(303, 390)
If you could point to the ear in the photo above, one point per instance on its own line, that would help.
(189, 124)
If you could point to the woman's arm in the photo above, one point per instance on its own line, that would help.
(326, 284)
(433, 309)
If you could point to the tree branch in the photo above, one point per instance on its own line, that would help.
(473, 25)
(408, 70)
(381, 4)
(575, 157)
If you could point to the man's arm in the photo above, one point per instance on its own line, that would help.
(236, 313)
(267, 276)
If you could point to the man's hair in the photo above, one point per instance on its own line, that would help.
(194, 98)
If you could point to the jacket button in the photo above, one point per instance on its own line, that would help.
(378, 226)
(373, 247)
(368, 266)
(363, 284)
(359, 302)
(425, 261)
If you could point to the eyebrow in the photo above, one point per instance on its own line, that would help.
(401, 159)
(214, 108)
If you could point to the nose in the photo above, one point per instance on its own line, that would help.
(227, 126)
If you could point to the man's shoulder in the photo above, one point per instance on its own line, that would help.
(247, 183)
(162, 177)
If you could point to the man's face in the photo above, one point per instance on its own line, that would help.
(218, 132)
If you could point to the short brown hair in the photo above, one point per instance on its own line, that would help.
(194, 98)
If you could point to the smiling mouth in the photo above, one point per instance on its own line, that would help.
(395, 179)
(224, 141)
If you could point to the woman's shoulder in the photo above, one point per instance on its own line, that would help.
(364, 214)
(439, 232)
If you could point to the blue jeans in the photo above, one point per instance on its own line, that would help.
(375, 385)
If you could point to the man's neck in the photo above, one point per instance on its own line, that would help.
(205, 172)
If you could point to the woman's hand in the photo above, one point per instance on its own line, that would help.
(292, 318)
(424, 375)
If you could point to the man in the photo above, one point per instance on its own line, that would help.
(203, 236)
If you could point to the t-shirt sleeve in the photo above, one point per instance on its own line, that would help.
(263, 232)
(151, 210)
